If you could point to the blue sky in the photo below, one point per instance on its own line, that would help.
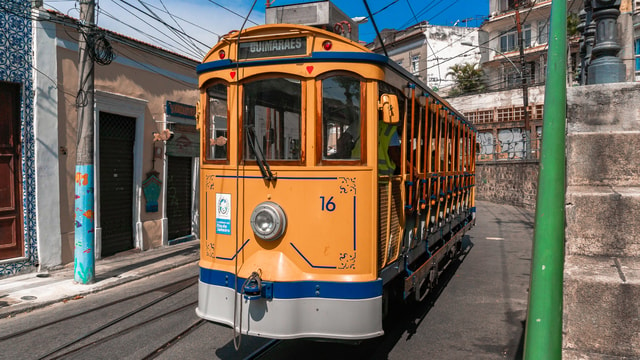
(205, 20)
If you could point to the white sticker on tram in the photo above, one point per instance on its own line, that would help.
(223, 214)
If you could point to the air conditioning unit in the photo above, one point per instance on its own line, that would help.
(322, 14)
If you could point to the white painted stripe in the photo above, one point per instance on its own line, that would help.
(494, 238)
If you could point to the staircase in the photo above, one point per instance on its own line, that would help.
(602, 264)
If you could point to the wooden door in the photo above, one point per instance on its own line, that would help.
(11, 229)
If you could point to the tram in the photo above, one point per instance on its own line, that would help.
(331, 181)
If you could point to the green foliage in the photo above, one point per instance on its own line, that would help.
(467, 77)
(573, 20)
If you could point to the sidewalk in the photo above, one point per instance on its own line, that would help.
(23, 293)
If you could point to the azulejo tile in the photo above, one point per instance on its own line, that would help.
(16, 66)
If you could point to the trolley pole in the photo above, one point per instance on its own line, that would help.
(525, 89)
(84, 252)
(543, 337)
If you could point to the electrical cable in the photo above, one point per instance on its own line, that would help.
(185, 46)
(181, 34)
(177, 23)
(235, 13)
(237, 339)
(184, 20)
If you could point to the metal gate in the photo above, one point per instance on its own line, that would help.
(117, 136)
(179, 195)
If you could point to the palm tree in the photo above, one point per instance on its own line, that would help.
(467, 77)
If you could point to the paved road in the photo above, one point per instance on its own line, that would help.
(477, 312)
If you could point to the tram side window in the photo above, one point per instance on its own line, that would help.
(341, 118)
(217, 127)
(272, 117)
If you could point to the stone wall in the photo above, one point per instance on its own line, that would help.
(513, 183)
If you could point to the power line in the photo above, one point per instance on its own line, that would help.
(233, 12)
(443, 10)
(179, 33)
(185, 48)
(184, 20)
(173, 29)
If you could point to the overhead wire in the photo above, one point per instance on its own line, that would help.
(237, 340)
(180, 42)
(181, 34)
(182, 46)
(183, 19)
(233, 12)
(76, 27)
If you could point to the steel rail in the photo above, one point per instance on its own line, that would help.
(119, 301)
(125, 331)
(155, 353)
(113, 322)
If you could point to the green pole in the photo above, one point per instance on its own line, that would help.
(543, 337)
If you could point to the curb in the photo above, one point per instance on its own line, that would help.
(169, 260)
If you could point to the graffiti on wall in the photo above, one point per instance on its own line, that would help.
(511, 143)
(485, 139)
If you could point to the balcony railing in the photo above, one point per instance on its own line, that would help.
(504, 114)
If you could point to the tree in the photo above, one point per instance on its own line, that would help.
(573, 21)
(467, 78)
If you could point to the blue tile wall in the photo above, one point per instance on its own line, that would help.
(16, 58)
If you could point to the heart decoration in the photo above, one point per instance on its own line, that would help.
(309, 69)
(233, 74)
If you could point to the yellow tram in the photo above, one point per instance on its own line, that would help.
(310, 221)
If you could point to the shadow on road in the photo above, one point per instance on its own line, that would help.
(407, 316)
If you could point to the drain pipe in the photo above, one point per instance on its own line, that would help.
(543, 337)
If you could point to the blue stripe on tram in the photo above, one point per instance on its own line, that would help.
(301, 289)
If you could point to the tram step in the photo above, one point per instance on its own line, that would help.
(601, 301)
(603, 221)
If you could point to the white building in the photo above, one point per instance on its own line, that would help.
(428, 51)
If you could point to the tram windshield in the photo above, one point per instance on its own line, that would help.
(341, 118)
(272, 116)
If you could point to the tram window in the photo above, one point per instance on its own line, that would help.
(341, 118)
(272, 115)
(217, 126)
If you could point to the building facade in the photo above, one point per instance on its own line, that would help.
(145, 135)
(18, 236)
(503, 64)
(428, 51)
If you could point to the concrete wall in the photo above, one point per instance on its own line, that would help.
(489, 100)
(602, 247)
(513, 183)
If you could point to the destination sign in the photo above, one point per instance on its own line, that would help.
(273, 48)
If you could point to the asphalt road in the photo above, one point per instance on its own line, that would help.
(477, 312)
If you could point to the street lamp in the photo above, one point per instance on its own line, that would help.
(525, 92)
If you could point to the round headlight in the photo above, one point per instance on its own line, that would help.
(268, 221)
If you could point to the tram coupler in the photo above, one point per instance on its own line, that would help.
(254, 288)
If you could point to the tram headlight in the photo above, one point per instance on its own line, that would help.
(268, 221)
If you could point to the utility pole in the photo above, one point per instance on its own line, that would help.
(84, 253)
(525, 89)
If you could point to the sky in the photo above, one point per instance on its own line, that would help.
(203, 21)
